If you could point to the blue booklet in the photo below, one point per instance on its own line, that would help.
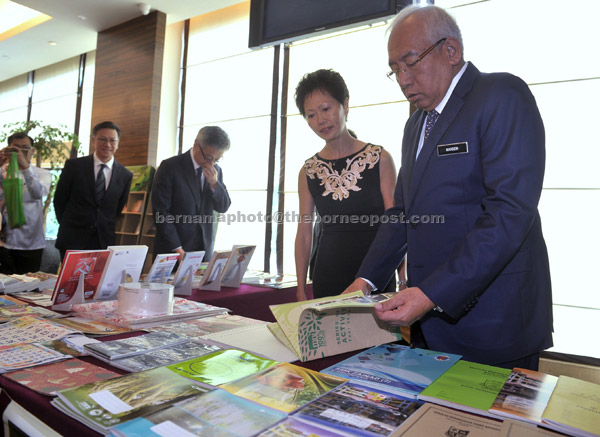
(395, 367)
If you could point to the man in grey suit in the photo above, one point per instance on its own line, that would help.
(187, 190)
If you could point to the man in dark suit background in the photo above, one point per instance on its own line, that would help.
(91, 193)
(473, 159)
(186, 191)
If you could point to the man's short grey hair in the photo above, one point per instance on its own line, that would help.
(440, 24)
(213, 136)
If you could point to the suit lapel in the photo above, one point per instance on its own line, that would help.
(446, 118)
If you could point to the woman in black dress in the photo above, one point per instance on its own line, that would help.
(350, 183)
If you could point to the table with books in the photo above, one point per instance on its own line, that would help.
(325, 368)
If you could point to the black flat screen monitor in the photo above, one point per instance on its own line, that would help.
(277, 21)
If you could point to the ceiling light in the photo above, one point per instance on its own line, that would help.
(15, 18)
(52, 43)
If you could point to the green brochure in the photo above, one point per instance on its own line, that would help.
(467, 386)
(222, 366)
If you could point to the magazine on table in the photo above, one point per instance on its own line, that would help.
(467, 386)
(165, 356)
(354, 409)
(285, 387)
(524, 396)
(126, 347)
(394, 367)
(183, 309)
(215, 414)
(103, 404)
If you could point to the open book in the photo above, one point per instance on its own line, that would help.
(332, 325)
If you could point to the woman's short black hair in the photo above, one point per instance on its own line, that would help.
(325, 80)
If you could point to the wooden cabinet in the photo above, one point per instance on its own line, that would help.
(135, 224)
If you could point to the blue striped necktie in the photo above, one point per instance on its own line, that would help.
(100, 184)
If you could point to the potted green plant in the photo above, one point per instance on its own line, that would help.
(53, 145)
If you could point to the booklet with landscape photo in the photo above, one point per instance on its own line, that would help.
(524, 396)
(407, 371)
(353, 409)
(332, 325)
(124, 265)
(285, 386)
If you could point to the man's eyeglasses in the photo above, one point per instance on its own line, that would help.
(110, 141)
(207, 158)
(410, 66)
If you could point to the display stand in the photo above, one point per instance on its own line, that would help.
(215, 285)
(77, 298)
(185, 289)
(235, 280)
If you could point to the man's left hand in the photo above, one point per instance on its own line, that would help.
(210, 173)
(408, 306)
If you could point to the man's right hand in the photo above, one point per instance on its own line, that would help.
(358, 284)
(181, 253)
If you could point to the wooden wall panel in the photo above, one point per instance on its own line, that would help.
(129, 60)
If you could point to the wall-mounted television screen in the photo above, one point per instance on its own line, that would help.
(276, 21)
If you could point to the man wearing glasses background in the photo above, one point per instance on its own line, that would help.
(186, 192)
(23, 246)
(473, 153)
(91, 193)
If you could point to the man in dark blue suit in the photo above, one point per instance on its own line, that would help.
(91, 194)
(473, 158)
(187, 190)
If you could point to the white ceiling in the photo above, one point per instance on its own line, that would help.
(30, 50)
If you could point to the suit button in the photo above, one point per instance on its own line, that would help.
(413, 225)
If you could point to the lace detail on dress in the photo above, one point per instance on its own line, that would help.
(340, 185)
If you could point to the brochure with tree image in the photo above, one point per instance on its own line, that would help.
(332, 325)
(103, 404)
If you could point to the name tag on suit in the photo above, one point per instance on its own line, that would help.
(452, 149)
